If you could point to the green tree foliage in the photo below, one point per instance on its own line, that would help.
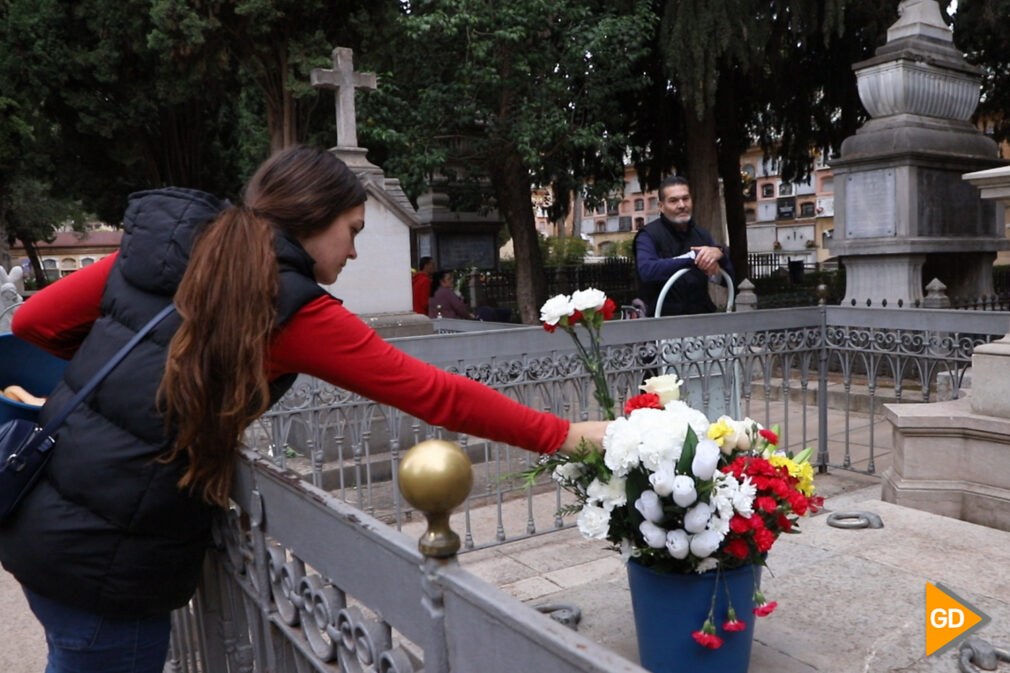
(563, 250)
(519, 94)
(981, 31)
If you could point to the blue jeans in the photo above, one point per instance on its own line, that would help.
(83, 642)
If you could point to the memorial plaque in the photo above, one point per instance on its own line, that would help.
(461, 251)
(870, 204)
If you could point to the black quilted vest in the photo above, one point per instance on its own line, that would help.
(689, 295)
(107, 530)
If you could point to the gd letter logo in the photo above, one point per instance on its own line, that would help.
(948, 617)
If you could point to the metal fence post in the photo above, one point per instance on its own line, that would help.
(822, 382)
(435, 477)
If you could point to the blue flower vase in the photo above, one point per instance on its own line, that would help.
(668, 608)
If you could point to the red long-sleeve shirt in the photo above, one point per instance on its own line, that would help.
(325, 340)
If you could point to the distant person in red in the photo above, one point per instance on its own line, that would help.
(421, 282)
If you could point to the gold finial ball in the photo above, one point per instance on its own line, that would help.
(435, 476)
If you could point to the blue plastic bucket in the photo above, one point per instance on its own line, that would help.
(30, 367)
(668, 607)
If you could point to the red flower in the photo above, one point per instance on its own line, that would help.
(764, 539)
(608, 309)
(739, 524)
(737, 547)
(709, 640)
(549, 327)
(765, 609)
(734, 625)
(770, 436)
(643, 401)
(763, 502)
(784, 523)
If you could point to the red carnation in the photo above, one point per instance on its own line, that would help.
(709, 640)
(739, 524)
(643, 401)
(738, 548)
(763, 502)
(734, 625)
(770, 436)
(765, 609)
(784, 523)
(764, 539)
(609, 307)
(549, 327)
(575, 317)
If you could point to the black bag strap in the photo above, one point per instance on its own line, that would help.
(57, 420)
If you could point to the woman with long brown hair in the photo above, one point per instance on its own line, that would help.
(112, 538)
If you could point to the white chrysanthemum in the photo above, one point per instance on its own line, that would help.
(620, 445)
(691, 416)
(556, 308)
(628, 550)
(590, 298)
(719, 523)
(610, 494)
(705, 543)
(568, 472)
(666, 386)
(684, 492)
(706, 459)
(743, 497)
(649, 506)
(696, 518)
(706, 565)
(594, 522)
(678, 543)
(663, 480)
(722, 496)
(655, 536)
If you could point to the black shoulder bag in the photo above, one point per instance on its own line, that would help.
(25, 447)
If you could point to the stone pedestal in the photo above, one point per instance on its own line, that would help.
(950, 457)
(949, 460)
(903, 215)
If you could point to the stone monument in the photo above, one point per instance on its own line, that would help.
(949, 456)
(903, 215)
(376, 286)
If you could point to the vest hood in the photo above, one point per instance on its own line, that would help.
(159, 225)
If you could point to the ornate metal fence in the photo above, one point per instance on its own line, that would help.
(306, 576)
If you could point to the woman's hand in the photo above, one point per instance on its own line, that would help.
(591, 431)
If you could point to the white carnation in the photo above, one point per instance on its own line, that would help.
(706, 459)
(594, 522)
(610, 494)
(696, 518)
(568, 472)
(678, 543)
(620, 445)
(705, 543)
(654, 535)
(692, 417)
(743, 497)
(649, 506)
(590, 298)
(556, 308)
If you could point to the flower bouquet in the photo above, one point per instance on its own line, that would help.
(676, 493)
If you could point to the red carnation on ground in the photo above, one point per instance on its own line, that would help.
(643, 401)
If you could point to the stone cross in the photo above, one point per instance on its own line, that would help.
(344, 81)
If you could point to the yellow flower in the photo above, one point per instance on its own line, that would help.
(802, 471)
(718, 431)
